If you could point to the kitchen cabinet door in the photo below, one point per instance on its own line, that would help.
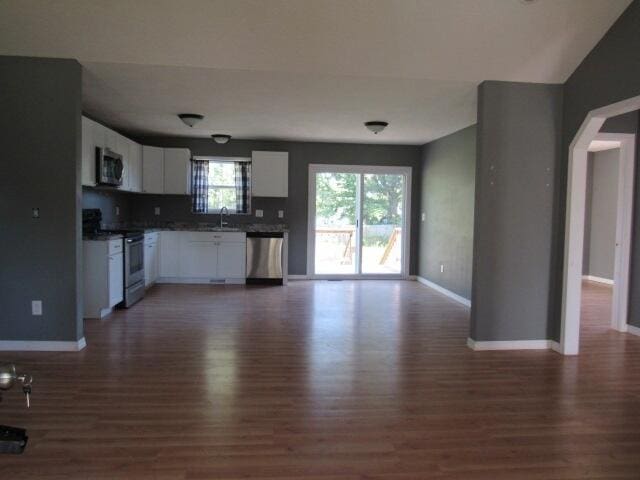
(147, 265)
(111, 140)
(169, 254)
(177, 171)
(92, 137)
(150, 263)
(198, 260)
(116, 279)
(269, 174)
(153, 263)
(232, 260)
(135, 167)
(152, 169)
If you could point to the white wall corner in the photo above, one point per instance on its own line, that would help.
(633, 329)
(453, 296)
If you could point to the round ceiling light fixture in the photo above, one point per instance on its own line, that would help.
(220, 138)
(376, 126)
(190, 119)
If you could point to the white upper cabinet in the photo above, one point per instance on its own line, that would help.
(89, 152)
(134, 164)
(92, 137)
(177, 171)
(269, 174)
(96, 135)
(111, 140)
(152, 169)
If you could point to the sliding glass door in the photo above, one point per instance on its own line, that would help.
(358, 221)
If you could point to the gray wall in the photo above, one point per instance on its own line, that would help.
(517, 152)
(301, 154)
(610, 73)
(40, 167)
(601, 209)
(447, 201)
(107, 200)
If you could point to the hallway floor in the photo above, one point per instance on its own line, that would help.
(323, 381)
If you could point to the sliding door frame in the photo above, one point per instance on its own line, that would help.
(315, 168)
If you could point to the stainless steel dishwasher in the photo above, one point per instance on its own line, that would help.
(264, 258)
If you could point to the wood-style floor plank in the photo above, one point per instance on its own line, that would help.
(324, 381)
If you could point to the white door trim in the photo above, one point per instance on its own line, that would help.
(575, 217)
(361, 169)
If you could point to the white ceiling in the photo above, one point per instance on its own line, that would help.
(304, 69)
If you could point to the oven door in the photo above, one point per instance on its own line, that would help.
(134, 261)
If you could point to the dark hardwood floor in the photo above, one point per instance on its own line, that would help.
(324, 381)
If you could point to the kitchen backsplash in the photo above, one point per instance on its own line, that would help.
(140, 209)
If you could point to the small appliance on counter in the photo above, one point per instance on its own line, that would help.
(264, 258)
(133, 258)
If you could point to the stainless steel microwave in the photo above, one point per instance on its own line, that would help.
(109, 167)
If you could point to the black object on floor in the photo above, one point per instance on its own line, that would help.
(12, 440)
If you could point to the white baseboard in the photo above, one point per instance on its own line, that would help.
(556, 347)
(297, 277)
(454, 296)
(593, 278)
(41, 346)
(201, 281)
(513, 345)
(633, 330)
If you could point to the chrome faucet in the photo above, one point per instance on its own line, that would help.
(222, 211)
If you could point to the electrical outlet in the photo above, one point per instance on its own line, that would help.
(280, 213)
(259, 213)
(35, 212)
(117, 210)
(36, 307)
(442, 268)
(156, 211)
(424, 215)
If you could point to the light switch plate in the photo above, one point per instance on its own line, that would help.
(280, 213)
(259, 213)
(442, 268)
(117, 210)
(36, 307)
(156, 211)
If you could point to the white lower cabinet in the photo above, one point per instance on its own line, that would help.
(202, 257)
(116, 280)
(151, 258)
(232, 260)
(103, 276)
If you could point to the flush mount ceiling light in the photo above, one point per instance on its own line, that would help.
(220, 138)
(190, 119)
(376, 126)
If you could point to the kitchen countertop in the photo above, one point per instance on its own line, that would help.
(183, 227)
(103, 237)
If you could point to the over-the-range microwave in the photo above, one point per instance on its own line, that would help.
(109, 167)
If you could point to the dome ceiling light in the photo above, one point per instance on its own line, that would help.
(376, 126)
(190, 119)
(220, 138)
